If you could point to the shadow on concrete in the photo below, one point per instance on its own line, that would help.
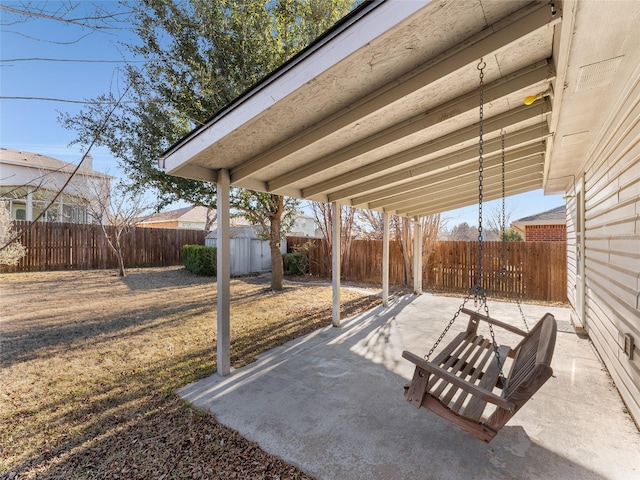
(332, 404)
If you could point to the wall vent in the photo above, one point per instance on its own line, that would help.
(597, 74)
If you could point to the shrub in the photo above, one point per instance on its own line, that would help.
(199, 259)
(295, 263)
(511, 235)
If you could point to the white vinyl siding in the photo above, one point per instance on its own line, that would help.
(572, 254)
(612, 245)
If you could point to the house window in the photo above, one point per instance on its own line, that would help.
(74, 214)
(18, 209)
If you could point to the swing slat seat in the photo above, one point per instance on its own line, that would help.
(461, 382)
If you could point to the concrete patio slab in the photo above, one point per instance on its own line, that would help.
(332, 404)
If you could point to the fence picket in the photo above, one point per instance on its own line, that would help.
(534, 270)
(63, 246)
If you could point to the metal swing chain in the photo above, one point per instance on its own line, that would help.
(480, 297)
(503, 220)
(446, 329)
(504, 243)
(503, 226)
(478, 293)
(475, 291)
(478, 290)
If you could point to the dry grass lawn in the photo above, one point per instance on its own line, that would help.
(90, 363)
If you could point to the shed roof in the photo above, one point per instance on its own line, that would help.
(382, 113)
(236, 231)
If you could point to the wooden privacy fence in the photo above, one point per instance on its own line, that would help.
(534, 270)
(62, 246)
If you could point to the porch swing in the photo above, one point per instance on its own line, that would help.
(464, 383)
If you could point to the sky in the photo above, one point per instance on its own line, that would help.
(93, 66)
(32, 125)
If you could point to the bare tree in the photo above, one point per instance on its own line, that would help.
(88, 17)
(430, 229)
(323, 216)
(116, 210)
(14, 251)
(404, 236)
(464, 232)
(496, 227)
(348, 216)
(370, 224)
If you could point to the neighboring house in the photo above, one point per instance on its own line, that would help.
(29, 182)
(249, 252)
(305, 226)
(194, 218)
(549, 226)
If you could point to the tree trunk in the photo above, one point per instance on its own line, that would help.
(403, 237)
(118, 251)
(121, 271)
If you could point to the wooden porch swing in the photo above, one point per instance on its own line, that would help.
(465, 383)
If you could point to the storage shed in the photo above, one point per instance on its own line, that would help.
(249, 252)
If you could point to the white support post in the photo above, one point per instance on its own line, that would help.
(224, 275)
(385, 259)
(417, 256)
(336, 220)
(29, 204)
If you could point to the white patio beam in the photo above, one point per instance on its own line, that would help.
(493, 126)
(196, 172)
(464, 184)
(382, 196)
(491, 186)
(533, 77)
(223, 276)
(433, 209)
(453, 189)
(513, 165)
(471, 199)
(467, 167)
(336, 221)
(490, 41)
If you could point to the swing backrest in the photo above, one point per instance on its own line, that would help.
(535, 350)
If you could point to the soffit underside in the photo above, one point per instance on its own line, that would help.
(424, 137)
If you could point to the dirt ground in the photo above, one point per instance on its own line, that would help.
(90, 363)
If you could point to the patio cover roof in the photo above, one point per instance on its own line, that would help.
(382, 111)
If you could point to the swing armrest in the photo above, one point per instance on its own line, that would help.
(493, 321)
(445, 375)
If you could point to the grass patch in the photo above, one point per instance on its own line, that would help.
(90, 362)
